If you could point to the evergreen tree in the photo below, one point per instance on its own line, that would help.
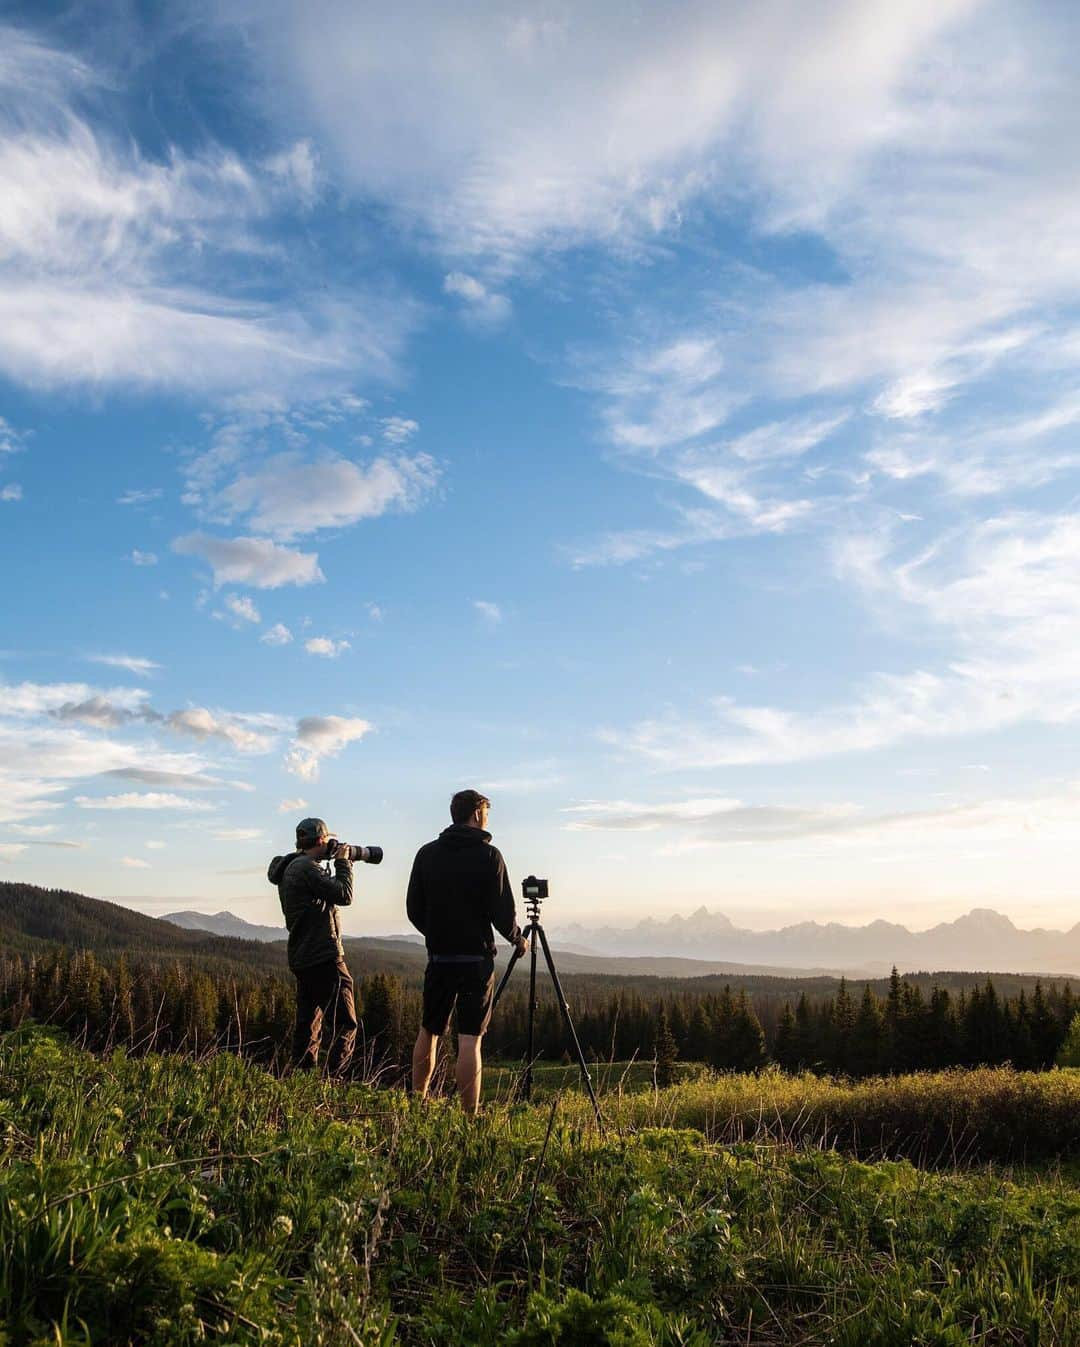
(1069, 1052)
(746, 1038)
(867, 1041)
(696, 1045)
(1045, 1032)
(785, 1046)
(806, 1038)
(665, 1050)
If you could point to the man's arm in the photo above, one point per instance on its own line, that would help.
(333, 892)
(415, 902)
(502, 913)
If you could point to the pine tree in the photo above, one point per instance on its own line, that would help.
(665, 1050)
(747, 1038)
(785, 1048)
(1069, 1052)
(867, 1041)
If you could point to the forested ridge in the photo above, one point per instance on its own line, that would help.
(115, 977)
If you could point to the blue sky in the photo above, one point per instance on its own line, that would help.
(664, 419)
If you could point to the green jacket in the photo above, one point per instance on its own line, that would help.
(310, 900)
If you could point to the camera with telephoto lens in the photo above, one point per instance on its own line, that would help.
(336, 850)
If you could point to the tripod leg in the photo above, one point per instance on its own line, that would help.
(570, 1030)
(504, 980)
(527, 1074)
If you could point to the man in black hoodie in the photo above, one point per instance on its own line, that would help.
(458, 891)
(310, 899)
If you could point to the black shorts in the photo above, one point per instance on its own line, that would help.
(469, 984)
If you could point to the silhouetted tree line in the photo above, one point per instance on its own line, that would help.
(176, 1005)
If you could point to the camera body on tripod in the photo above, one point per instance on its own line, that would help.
(534, 890)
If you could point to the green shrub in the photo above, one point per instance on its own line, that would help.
(160, 1201)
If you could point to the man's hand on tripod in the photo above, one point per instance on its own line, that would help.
(521, 948)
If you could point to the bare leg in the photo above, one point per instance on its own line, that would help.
(468, 1072)
(423, 1061)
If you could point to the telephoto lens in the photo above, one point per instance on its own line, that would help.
(370, 855)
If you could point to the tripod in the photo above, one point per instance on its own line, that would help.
(535, 891)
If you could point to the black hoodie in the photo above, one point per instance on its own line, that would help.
(310, 900)
(458, 890)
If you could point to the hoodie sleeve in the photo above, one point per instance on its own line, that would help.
(502, 912)
(331, 892)
(415, 902)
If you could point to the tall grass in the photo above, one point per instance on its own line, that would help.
(164, 1201)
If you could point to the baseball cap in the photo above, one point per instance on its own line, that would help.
(311, 831)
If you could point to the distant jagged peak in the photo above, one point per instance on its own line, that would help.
(985, 918)
(700, 919)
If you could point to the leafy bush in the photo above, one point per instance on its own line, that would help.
(163, 1201)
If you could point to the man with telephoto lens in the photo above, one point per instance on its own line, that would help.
(310, 899)
(458, 891)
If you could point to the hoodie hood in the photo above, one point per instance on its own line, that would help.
(461, 835)
(279, 865)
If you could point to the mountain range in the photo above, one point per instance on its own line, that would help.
(981, 939)
(709, 942)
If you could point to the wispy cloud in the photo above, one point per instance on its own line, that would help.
(490, 612)
(649, 115)
(481, 304)
(278, 634)
(242, 607)
(276, 496)
(148, 800)
(319, 737)
(140, 496)
(251, 561)
(1003, 591)
(116, 265)
(136, 664)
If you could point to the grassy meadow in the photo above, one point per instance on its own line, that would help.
(158, 1200)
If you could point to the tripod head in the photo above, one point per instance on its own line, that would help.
(534, 891)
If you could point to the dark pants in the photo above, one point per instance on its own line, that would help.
(324, 1000)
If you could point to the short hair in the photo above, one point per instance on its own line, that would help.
(465, 804)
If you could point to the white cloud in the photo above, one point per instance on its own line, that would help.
(298, 169)
(8, 850)
(291, 806)
(140, 496)
(136, 664)
(148, 800)
(288, 495)
(117, 267)
(242, 607)
(153, 776)
(320, 737)
(138, 558)
(490, 612)
(325, 646)
(1003, 591)
(398, 429)
(238, 834)
(249, 734)
(34, 699)
(13, 491)
(134, 863)
(12, 441)
(153, 845)
(278, 634)
(449, 116)
(722, 822)
(251, 561)
(482, 304)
